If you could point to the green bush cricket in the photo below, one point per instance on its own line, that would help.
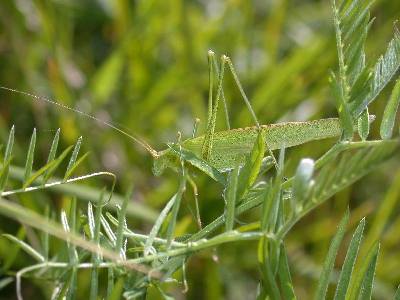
(217, 152)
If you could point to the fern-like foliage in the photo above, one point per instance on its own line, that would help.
(356, 85)
(42, 178)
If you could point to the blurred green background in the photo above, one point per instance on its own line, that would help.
(143, 65)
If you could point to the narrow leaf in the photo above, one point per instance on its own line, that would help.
(122, 221)
(385, 68)
(360, 273)
(29, 158)
(175, 210)
(249, 172)
(330, 258)
(7, 159)
(73, 158)
(4, 174)
(284, 275)
(349, 261)
(342, 108)
(56, 164)
(157, 225)
(75, 165)
(389, 115)
(24, 246)
(53, 150)
(230, 198)
(368, 281)
(38, 173)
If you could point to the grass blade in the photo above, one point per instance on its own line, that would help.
(27, 248)
(157, 225)
(38, 173)
(368, 281)
(29, 158)
(330, 258)
(230, 196)
(53, 150)
(359, 275)
(389, 115)
(75, 165)
(383, 72)
(94, 281)
(7, 159)
(249, 172)
(349, 261)
(284, 275)
(73, 158)
(175, 210)
(122, 222)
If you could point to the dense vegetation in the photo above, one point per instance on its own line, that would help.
(86, 218)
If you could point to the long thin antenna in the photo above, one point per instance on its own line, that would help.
(136, 139)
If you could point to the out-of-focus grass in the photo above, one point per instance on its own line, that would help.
(143, 64)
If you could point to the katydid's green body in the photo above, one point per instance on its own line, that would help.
(230, 147)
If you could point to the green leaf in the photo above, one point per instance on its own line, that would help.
(56, 164)
(385, 68)
(230, 198)
(175, 210)
(360, 159)
(389, 115)
(361, 273)
(29, 158)
(271, 195)
(368, 281)
(53, 150)
(66, 286)
(284, 275)
(7, 159)
(330, 258)
(4, 173)
(249, 172)
(363, 125)
(27, 248)
(349, 261)
(73, 158)
(122, 222)
(5, 282)
(157, 225)
(38, 173)
(342, 107)
(75, 165)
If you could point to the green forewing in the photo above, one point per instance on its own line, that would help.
(230, 147)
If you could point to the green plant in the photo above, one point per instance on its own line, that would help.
(139, 265)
